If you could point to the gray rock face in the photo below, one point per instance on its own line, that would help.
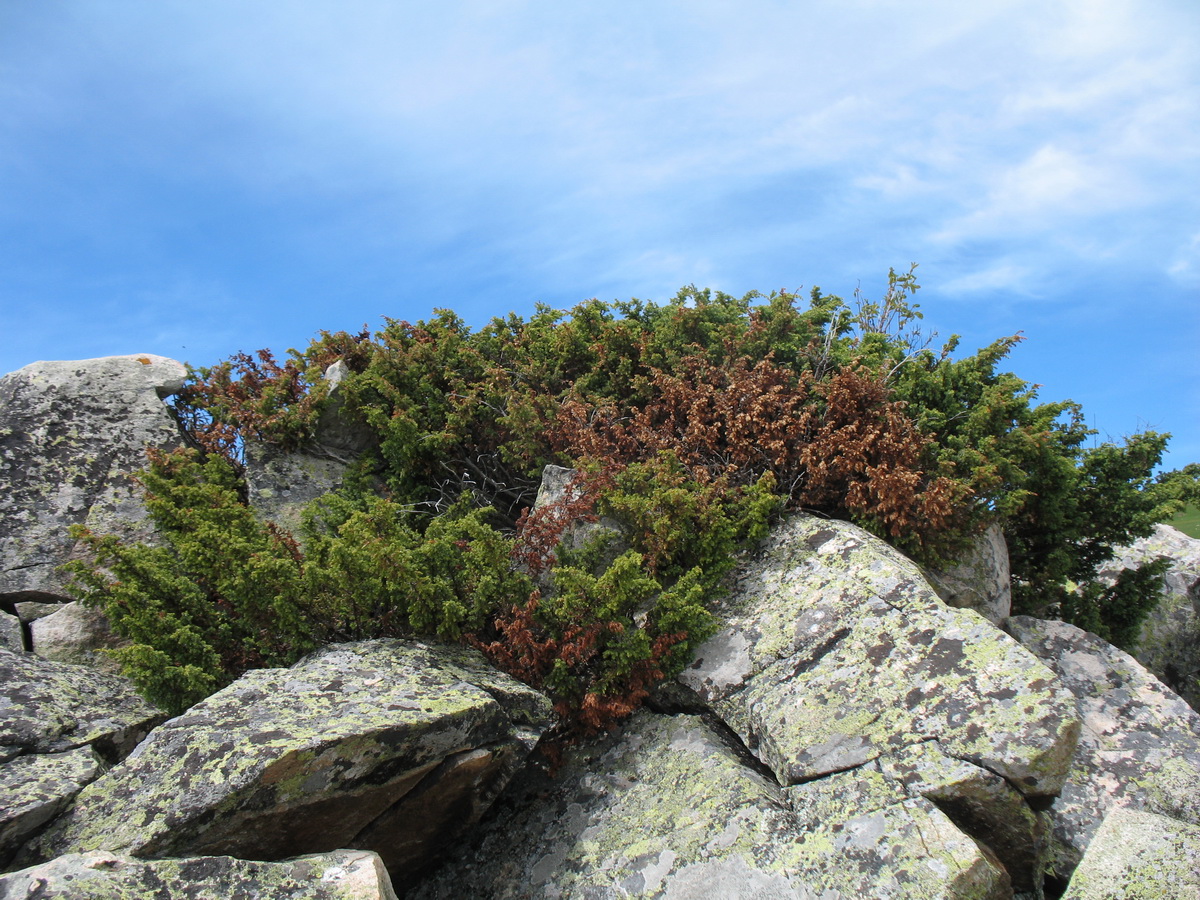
(981, 581)
(12, 636)
(1140, 744)
(1169, 644)
(37, 788)
(75, 634)
(70, 435)
(1139, 856)
(386, 745)
(837, 652)
(99, 875)
(667, 809)
(48, 707)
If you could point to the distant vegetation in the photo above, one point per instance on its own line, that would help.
(690, 423)
(1188, 521)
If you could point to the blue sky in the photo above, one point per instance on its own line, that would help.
(194, 179)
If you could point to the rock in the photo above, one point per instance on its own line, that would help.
(981, 580)
(1169, 643)
(49, 707)
(1139, 856)
(100, 875)
(75, 634)
(1140, 743)
(836, 651)
(385, 745)
(574, 530)
(12, 635)
(37, 788)
(281, 483)
(71, 434)
(668, 808)
(32, 610)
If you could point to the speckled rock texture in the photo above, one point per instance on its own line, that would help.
(48, 707)
(669, 808)
(71, 433)
(1169, 644)
(836, 651)
(12, 636)
(99, 875)
(981, 580)
(36, 788)
(385, 745)
(75, 634)
(281, 483)
(1140, 744)
(1139, 856)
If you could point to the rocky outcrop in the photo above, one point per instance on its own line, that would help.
(1169, 643)
(99, 875)
(71, 434)
(981, 580)
(1139, 856)
(385, 745)
(1140, 743)
(668, 808)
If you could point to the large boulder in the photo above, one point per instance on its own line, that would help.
(1139, 856)
(77, 634)
(384, 745)
(71, 435)
(981, 580)
(669, 807)
(1169, 643)
(99, 875)
(1140, 743)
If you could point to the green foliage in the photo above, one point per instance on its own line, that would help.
(692, 423)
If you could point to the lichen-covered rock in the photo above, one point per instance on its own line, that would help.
(12, 636)
(1139, 856)
(386, 745)
(36, 788)
(75, 634)
(71, 434)
(981, 580)
(1140, 744)
(836, 651)
(668, 808)
(1169, 643)
(99, 875)
(48, 707)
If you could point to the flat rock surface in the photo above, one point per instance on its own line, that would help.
(1139, 856)
(100, 875)
(668, 808)
(387, 745)
(36, 788)
(71, 434)
(836, 651)
(1140, 744)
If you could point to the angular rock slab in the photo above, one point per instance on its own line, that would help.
(99, 875)
(49, 707)
(981, 580)
(75, 634)
(1139, 856)
(71, 434)
(386, 745)
(36, 788)
(836, 651)
(667, 808)
(1140, 744)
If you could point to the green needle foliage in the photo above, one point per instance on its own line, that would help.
(690, 424)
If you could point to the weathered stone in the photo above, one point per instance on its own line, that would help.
(981, 580)
(1139, 856)
(75, 634)
(1140, 744)
(36, 788)
(387, 745)
(71, 434)
(100, 875)
(48, 707)
(1169, 643)
(32, 610)
(667, 808)
(836, 651)
(12, 636)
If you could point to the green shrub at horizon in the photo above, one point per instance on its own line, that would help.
(691, 423)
